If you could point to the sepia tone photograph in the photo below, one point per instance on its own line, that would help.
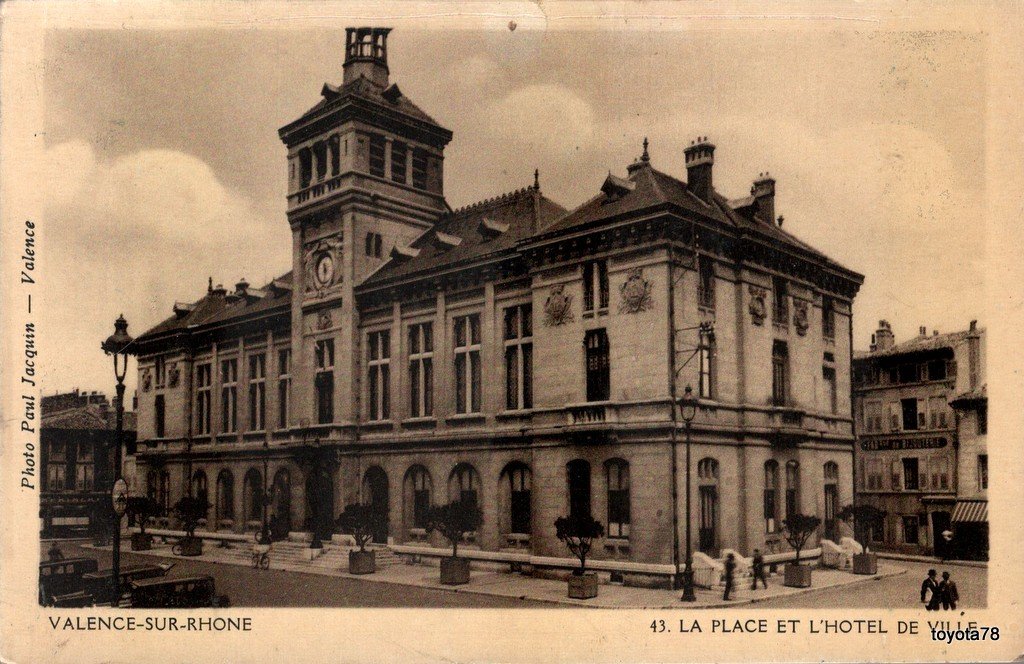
(376, 311)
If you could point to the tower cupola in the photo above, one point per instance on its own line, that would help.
(366, 54)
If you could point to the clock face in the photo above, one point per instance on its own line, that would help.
(324, 269)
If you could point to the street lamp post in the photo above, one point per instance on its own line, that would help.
(119, 346)
(688, 405)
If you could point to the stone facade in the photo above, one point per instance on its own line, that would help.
(509, 352)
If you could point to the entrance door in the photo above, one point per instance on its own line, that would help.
(708, 519)
(831, 499)
(375, 493)
(319, 503)
(281, 506)
(940, 523)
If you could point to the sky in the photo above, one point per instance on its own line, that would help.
(166, 168)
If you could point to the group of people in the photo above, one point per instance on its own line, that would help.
(757, 567)
(935, 593)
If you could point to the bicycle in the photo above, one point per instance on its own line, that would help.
(261, 559)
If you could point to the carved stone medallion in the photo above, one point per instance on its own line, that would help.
(757, 308)
(635, 292)
(324, 320)
(800, 317)
(147, 380)
(558, 307)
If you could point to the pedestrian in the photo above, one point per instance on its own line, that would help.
(758, 567)
(730, 571)
(948, 592)
(930, 591)
(55, 553)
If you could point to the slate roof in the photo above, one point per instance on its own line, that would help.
(87, 418)
(919, 344)
(977, 394)
(215, 308)
(654, 188)
(516, 209)
(363, 88)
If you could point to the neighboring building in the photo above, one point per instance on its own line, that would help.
(970, 516)
(509, 352)
(907, 460)
(77, 435)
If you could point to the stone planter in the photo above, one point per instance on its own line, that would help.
(583, 586)
(362, 562)
(191, 546)
(454, 571)
(797, 576)
(865, 563)
(142, 541)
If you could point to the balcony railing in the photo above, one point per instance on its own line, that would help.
(314, 191)
(591, 413)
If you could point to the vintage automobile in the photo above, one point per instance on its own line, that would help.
(187, 592)
(100, 585)
(62, 577)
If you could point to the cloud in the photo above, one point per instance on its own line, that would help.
(547, 118)
(131, 235)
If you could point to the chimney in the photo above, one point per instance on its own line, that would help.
(366, 55)
(923, 331)
(974, 355)
(242, 287)
(219, 291)
(763, 192)
(873, 346)
(884, 339)
(700, 157)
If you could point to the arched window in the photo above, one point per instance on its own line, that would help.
(707, 477)
(771, 500)
(617, 471)
(199, 488)
(516, 482)
(253, 495)
(225, 498)
(579, 488)
(792, 488)
(417, 496)
(464, 485)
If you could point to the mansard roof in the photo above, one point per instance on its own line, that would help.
(653, 190)
(918, 344)
(91, 417)
(484, 229)
(217, 306)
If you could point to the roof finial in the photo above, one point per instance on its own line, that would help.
(209, 285)
(536, 179)
(645, 156)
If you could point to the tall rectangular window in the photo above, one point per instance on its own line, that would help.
(706, 366)
(398, 156)
(284, 386)
(618, 499)
(379, 368)
(421, 370)
(378, 145)
(56, 467)
(467, 364)
(598, 360)
(771, 485)
(706, 285)
(828, 318)
(85, 466)
(595, 287)
(982, 419)
(792, 488)
(324, 381)
(895, 415)
(204, 377)
(519, 357)
(909, 408)
(229, 396)
(911, 480)
(780, 373)
(160, 368)
(159, 414)
(938, 412)
(910, 529)
(828, 376)
(257, 391)
(780, 301)
(872, 416)
(419, 168)
(982, 472)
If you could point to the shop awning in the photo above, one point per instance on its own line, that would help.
(970, 511)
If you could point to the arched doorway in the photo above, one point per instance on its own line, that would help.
(319, 502)
(375, 494)
(281, 505)
(707, 478)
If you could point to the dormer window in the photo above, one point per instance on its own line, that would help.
(446, 240)
(492, 228)
(378, 146)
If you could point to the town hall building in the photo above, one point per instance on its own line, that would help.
(511, 352)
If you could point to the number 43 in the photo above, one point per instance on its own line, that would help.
(658, 626)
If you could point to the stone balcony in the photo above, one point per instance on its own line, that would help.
(591, 414)
(314, 191)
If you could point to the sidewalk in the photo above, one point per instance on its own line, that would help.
(507, 584)
(980, 564)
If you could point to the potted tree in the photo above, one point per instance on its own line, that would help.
(453, 521)
(189, 510)
(140, 509)
(799, 527)
(578, 533)
(360, 521)
(863, 517)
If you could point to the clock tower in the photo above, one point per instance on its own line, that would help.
(365, 173)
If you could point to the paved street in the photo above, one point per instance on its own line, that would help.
(248, 587)
(902, 591)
